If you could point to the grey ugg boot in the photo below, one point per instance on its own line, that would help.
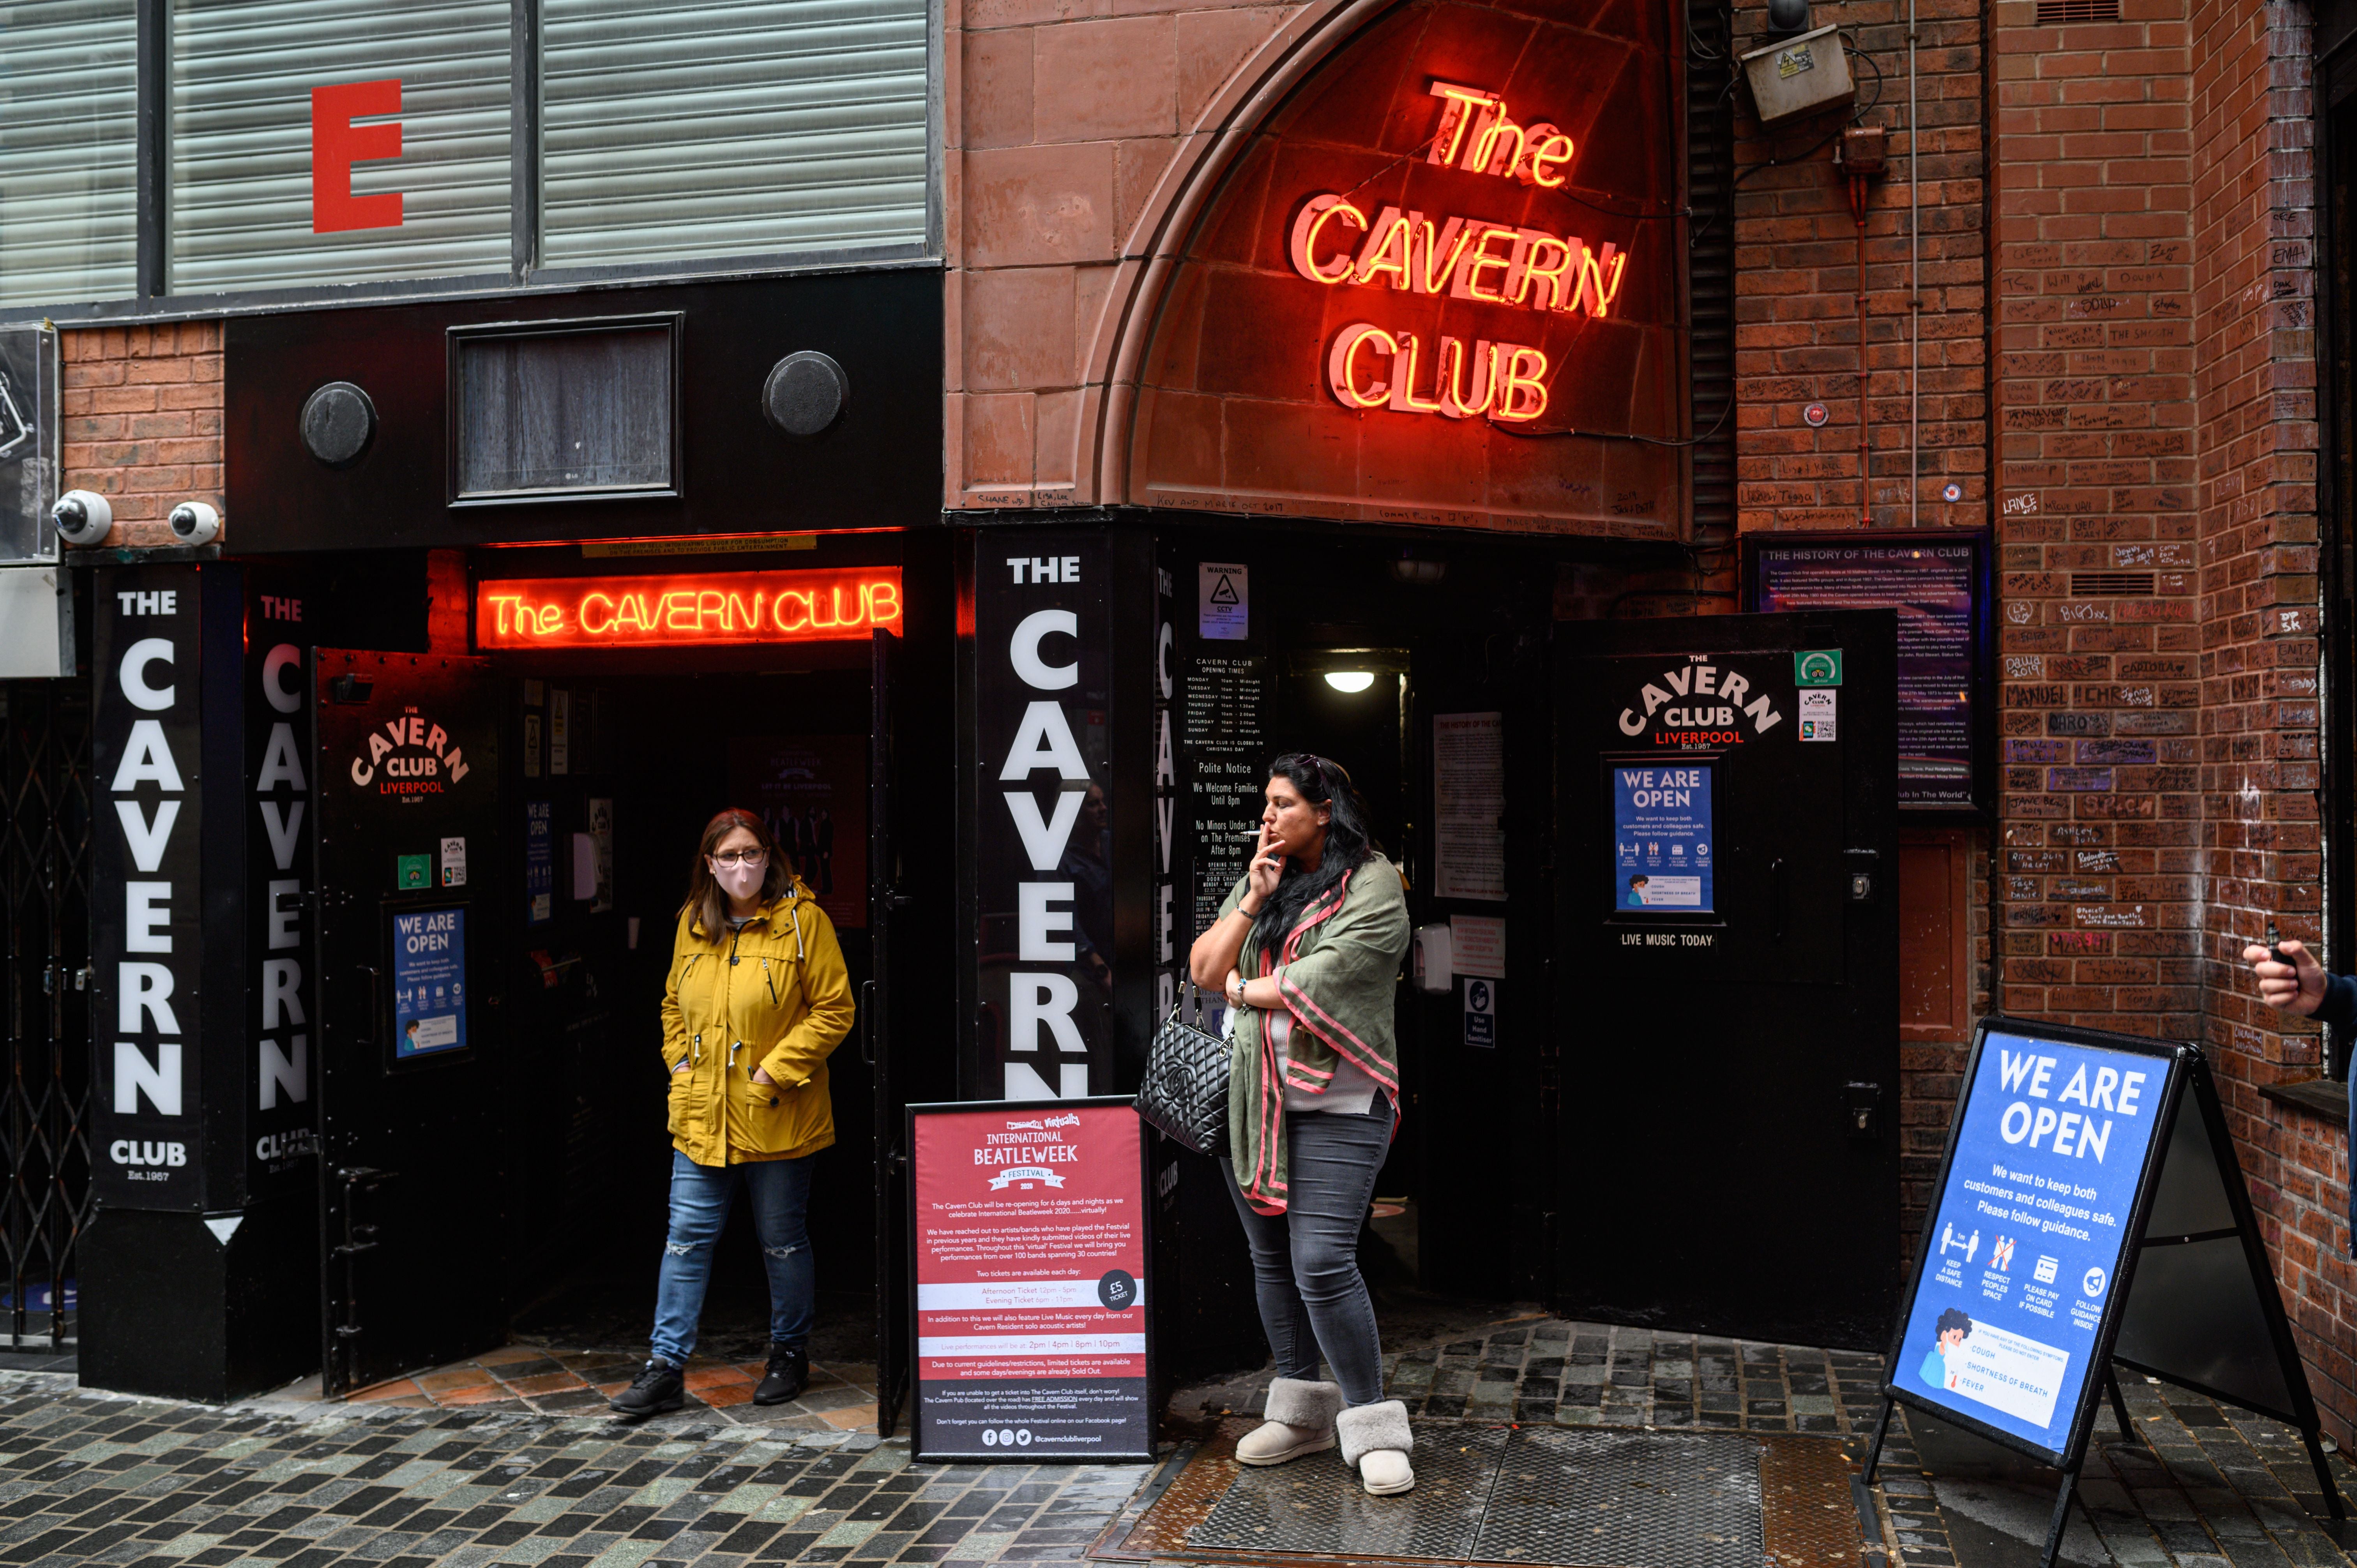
(1377, 1441)
(1300, 1421)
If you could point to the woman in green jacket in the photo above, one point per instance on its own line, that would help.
(1307, 950)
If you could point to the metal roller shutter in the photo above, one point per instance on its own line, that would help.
(69, 150)
(730, 127)
(241, 75)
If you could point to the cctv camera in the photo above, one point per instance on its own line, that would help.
(83, 517)
(194, 522)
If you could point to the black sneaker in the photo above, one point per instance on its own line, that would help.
(788, 1375)
(660, 1387)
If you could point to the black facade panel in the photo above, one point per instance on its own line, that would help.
(878, 465)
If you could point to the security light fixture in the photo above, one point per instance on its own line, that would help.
(1351, 681)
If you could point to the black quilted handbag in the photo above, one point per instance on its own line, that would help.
(1185, 1095)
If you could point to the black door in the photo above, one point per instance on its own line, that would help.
(405, 746)
(1726, 1006)
(895, 1309)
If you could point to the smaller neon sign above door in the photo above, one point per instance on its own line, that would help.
(686, 610)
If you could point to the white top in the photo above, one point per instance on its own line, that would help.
(1350, 1092)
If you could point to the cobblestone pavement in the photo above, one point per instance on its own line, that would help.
(88, 1478)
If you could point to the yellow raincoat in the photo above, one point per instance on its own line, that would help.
(771, 993)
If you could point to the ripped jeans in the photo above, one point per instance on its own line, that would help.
(779, 1192)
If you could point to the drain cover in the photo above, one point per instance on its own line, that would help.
(1314, 1505)
(1563, 1498)
(1625, 1499)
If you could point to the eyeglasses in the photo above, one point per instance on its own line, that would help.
(752, 858)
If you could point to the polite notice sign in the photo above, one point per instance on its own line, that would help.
(1030, 1244)
(1662, 851)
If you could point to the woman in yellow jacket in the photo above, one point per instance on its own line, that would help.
(757, 998)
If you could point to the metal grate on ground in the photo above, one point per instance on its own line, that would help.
(1509, 1496)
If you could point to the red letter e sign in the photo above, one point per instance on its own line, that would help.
(337, 143)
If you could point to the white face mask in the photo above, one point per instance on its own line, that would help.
(740, 881)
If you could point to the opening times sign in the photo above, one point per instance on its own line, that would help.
(1030, 1244)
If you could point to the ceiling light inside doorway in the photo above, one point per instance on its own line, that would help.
(1350, 680)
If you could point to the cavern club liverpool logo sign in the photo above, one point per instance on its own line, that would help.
(1336, 242)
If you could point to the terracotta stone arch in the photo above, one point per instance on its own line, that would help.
(1208, 369)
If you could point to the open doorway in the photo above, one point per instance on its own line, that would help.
(637, 764)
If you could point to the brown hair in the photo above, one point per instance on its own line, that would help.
(706, 900)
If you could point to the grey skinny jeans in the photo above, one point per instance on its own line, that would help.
(1305, 1260)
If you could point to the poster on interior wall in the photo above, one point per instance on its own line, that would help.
(1031, 1237)
(1469, 805)
(1938, 582)
(810, 792)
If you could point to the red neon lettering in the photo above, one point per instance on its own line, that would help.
(1482, 158)
(1549, 149)
(1455, 401)
(1404, 398)
(1478, 260)
(728, 607)
(1551, 292)
(1340, 380)
(1520, 371)
(337, 143)
(1302, 249)
(1599, 279)
(1386, 250)
(1461, 101)
(1449, 246)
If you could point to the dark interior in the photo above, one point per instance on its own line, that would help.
(592, 1168)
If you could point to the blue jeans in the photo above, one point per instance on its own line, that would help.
(780, 1191)
(1305, 1260)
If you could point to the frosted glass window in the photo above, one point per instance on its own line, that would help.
(69, 150)
(252, 128)
(730, 128)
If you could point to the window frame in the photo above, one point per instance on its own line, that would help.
(455, 338)
(154, 300)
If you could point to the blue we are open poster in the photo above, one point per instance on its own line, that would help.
(2028, 1231)
(1661, 849)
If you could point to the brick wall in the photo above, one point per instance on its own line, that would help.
(1062, 119)
(1797, 343)
(2100, 661)
(1796, 273)
(143, 408)
(2256, 444)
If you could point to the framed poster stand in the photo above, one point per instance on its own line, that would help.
(2090, 1214)
(1029, 1254)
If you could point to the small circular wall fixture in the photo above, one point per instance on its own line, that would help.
(806, 393)
(338, 423)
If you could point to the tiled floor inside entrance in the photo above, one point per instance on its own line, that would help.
(534, 1379)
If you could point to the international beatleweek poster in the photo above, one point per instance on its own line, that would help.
(1030, 1274)
(1662, 851)
(2027, 1233)
(429, 981)
(810, 792)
